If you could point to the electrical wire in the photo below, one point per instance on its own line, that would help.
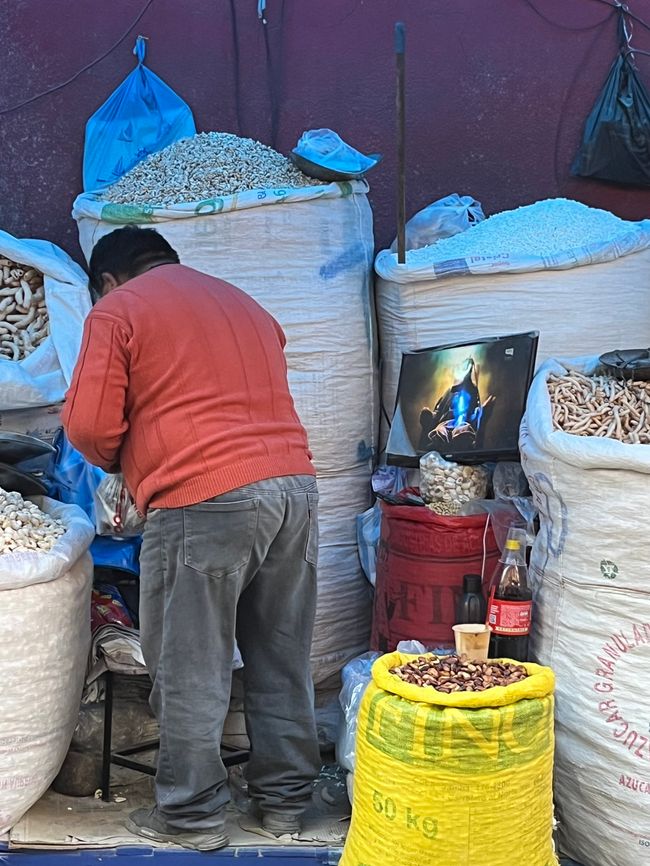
(616, 5)
(561, 26)
(88, 66)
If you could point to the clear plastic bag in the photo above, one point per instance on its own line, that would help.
(142, 116)
(447, 486)
(325, 147)
(368, 534)
(355, 675)
(442, 219)
(115, 511)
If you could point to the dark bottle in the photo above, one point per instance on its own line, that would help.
(510, 605)
(471, 604)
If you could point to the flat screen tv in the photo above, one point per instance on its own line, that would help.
(464, 400)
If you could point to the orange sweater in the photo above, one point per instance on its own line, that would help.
(181, 383)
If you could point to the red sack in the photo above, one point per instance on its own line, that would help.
(421, 560)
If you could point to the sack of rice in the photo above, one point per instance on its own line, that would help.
(556, 266)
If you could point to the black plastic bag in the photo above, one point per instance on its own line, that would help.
(616, 140)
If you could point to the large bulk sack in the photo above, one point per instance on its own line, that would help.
(305, 254)
(590, 575)
(45, 628)
(43, 377)
(567, 296)
(421, 560)
(459, 779)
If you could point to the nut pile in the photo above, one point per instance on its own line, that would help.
(24, 322)
(446, 487)
(449, 674)
(207, 165)
(23, 526)
(601, 406)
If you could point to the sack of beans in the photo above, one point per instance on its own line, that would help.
(239, 210)
(557, 266)
(43, 303)
(45, 583)
(585, 450)
(454, 765)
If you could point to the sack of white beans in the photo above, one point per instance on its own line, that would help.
(590, 575)
(45, 629)
(43, 303)
(304, 251)
(557, 267)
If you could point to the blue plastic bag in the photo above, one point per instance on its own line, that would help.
(70, 478)
(142, 116)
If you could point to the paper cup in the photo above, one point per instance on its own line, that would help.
(472, 641)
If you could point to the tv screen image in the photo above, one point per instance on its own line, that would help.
(464, 401)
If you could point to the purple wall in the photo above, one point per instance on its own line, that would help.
(497, 92)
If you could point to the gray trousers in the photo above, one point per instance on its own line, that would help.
(242, 565)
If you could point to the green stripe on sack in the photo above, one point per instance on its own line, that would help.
(128, 213)
(460, 741)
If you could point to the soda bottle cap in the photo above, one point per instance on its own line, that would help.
(512, 544)
(472, 583)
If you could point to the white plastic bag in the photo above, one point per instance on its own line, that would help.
(115, 511)
(443, 218)
(589, 575)
(43, 377)
(45, 627)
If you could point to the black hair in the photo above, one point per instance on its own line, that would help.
(125, 252)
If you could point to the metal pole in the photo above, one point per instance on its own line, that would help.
(108, 736)
(400, 55)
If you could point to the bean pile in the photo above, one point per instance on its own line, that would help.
(24, 527)
(450, 674)
(24, 322)
(206, 166)
(601, 406)
(446, 487)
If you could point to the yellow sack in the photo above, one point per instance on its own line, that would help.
(460, 779)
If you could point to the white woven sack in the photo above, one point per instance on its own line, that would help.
(590, 573)
(45, 628)
(578, 310)
(44, 376)
(306, 256)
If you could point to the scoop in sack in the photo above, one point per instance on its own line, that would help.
(323, 154)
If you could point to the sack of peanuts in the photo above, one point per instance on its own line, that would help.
(45, 583)
(239, 210)
(43, 303)
(583, 445)
(453, 776)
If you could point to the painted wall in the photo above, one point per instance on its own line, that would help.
(497, 91)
